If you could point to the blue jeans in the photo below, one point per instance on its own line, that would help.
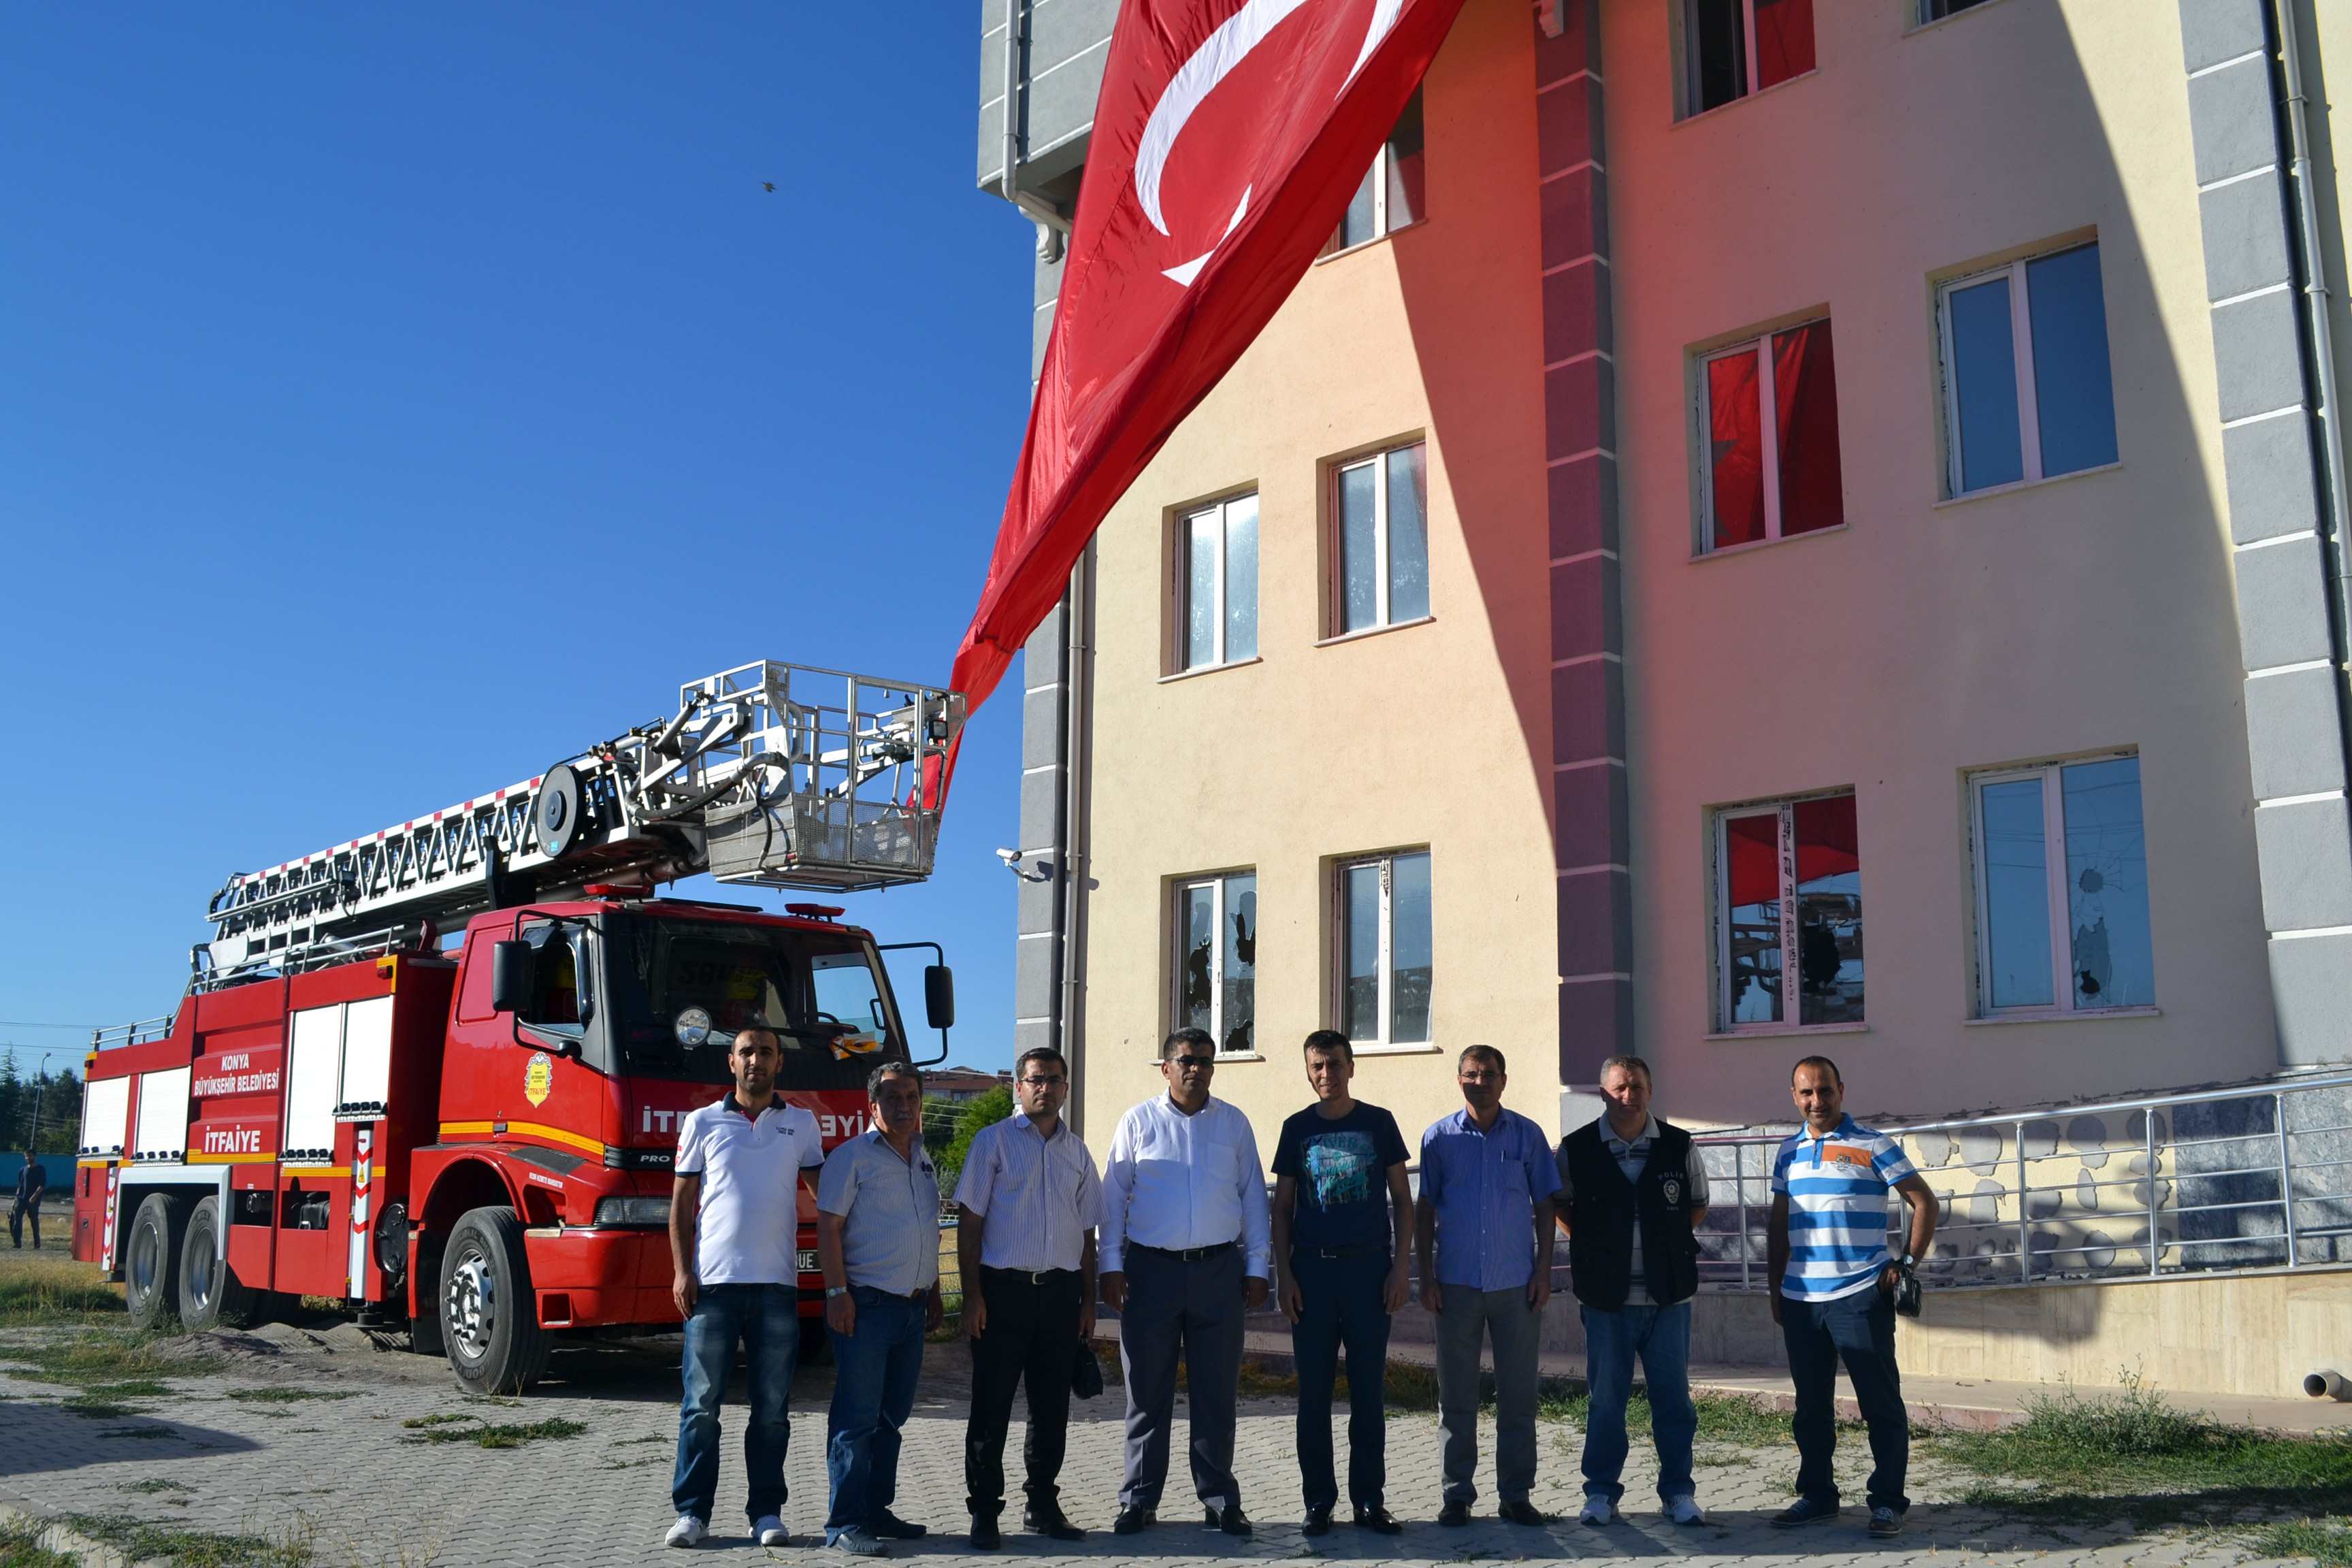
(1661, 1337)
(874, 1375)
(1858, 1330)
(1341, 1304)
(767, 1318)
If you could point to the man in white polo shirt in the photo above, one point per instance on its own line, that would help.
(734, 1223)
(1836, 1299)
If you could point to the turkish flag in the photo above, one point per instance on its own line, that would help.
(1228, 140)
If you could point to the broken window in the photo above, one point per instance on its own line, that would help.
(1216, 960)
(1216, 584)
(1384, 949)
(1394, 190)
(1789, 889)
(2027, 393)
(2062, 846)
(1381, 507)
(1799, 489)
(1734, 47)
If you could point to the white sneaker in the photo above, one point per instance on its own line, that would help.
(771, 1531)
(1684, 1509)
(1598, 1510)
(687, 1532)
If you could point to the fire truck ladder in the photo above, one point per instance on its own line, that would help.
(775, 774)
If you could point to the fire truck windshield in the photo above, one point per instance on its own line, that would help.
(686, 986)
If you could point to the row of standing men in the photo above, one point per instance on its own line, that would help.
(1175, 1234)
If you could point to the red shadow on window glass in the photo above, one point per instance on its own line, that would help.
(1784, 40)
(1736, 450)
(1805, 390)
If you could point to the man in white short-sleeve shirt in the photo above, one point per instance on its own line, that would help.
(734, 1226)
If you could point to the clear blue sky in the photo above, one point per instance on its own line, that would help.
(397, 400)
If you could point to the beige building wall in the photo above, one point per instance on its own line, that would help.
(1434, 734)
(1926, 638)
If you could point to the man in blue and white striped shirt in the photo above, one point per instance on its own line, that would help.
(1835, 1299)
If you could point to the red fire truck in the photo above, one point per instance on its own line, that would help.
(469, 1135)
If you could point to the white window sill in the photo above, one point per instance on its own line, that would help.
(1774, 1031)
(1367, 1049)
(1364, 245)
(2061, 1015)
(1755, 544)
(1224, 1056)
(1989, 491)
(1744, 98)
(1363, 633)
(1201, 669)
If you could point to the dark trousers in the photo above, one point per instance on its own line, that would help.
(875, 1370)
(1860, 1330)
(1032, 1338)
(1193, 1308)
(23, 1209)
(1340, 1305)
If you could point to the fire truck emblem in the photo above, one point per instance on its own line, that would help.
(538, 1079)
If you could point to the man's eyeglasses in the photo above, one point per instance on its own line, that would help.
(1192, 1064)
(1055, 1083)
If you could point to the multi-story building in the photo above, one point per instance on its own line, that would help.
(1771, 529)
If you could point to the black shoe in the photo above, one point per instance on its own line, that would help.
(1453, 1515)
(1132, 1520)
(1804, 1510)
(1379, 1520)
(986, 1536)
(889, 1526)
(1318, 1521)
(1049, 1522)
(1519, 1510)
(1229, 1518)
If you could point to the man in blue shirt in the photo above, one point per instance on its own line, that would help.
(1834, 1293)
(1343, 1207)
(1486, 1209)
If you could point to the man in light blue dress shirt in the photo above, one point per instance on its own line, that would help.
(1486, 1209)
(1187, 1248)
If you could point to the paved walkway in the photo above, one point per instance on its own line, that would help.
(347, 1476)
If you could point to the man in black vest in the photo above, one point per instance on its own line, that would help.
(1632, 1188)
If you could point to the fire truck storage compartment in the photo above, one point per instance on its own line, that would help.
(162, 1117)
(105, 1117)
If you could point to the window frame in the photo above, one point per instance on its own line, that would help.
(2022, 359)
(1384, 1008)
(1791, 1021)
(2059, 907)
(1179, 585)
(1177, 890)
(1380, 175)
(1750, 62)
(1768, 432)
(1335, 607)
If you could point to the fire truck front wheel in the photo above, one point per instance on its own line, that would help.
(210, 1295)
(489, 1315)
(150, 1260)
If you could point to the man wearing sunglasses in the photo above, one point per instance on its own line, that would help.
(1186, 1250)
(1030, 1201)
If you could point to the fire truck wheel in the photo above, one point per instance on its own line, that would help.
(150, 1260)
(489, 1315)
(210, 1295)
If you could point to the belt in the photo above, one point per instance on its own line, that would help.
(1337, 1252)
(1187, 1255)
(1035, 1275)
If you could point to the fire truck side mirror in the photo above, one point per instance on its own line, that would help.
(514, 975)
(939, 995)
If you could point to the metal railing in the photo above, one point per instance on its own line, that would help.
(2231, 1180)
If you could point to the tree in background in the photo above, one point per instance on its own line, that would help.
(43, 1110)
(988, 1109)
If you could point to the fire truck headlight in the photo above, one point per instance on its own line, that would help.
(633, 1211)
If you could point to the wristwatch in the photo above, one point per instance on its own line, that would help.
(1910, 1260)
(833, 1290)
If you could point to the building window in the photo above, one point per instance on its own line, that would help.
(1216, 958)
(1216, 584)
(2061, 848)
(1394, 193)
(2027, 391)
(1382, 506)
(1936, 10)
(1383, 949)
(1797, 490)
(1734, 47)
(1790, 900)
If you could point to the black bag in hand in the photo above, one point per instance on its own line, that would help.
(1906, 1291)
(1085, 1373)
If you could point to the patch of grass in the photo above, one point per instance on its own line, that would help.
(440, 1418)
(138, 1432)
(94, 1360)
(2328, 1542)
(90, 1409)
(278, 1396)
(157, 1486)
(184, 1548)
(1736, 1419)
(20, 1547)
(508, 1435)
(50, 1287)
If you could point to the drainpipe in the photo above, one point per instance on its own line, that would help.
(1051, 225)
(2310, 261)
(1077, 709)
